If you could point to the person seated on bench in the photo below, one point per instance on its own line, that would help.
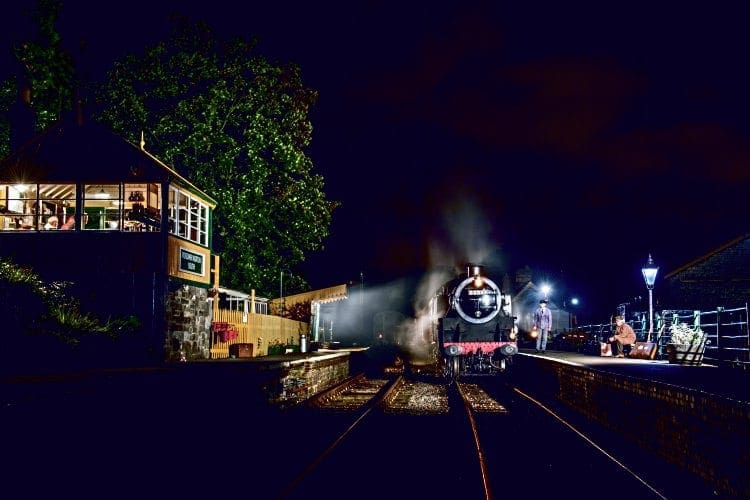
(624, 335)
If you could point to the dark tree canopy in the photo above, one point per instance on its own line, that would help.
(44, 68)
(238, 127)
(221, 115)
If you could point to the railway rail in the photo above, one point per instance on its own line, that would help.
(421, 437)
(417, 435)
(401, 397)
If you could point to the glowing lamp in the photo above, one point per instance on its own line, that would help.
(649, 272)
(649, 276)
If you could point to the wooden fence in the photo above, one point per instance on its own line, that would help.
(260, 330)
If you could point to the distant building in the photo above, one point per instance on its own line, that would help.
(526, 301)
(720, 278)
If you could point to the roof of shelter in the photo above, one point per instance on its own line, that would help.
(708, 255)
(320, 296)
(240, 295)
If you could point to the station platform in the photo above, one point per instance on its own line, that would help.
(694, 417)
(731, 383)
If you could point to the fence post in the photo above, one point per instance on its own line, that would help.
(719, 350)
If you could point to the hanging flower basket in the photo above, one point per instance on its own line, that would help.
(224, 331)
(227, 335)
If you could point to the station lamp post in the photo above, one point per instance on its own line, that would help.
(572, 317)
(649, 276)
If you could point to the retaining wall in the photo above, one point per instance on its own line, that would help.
(706, 434)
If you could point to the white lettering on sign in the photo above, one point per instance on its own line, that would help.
(191, 262)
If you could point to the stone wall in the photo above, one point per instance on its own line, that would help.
(188, 317)
(302, 378)
(705, 434)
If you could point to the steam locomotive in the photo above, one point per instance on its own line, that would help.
(473, 325)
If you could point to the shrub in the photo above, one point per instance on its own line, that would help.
(45, 321)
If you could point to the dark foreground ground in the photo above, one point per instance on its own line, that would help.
(208, 429)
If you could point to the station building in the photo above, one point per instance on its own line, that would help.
(131, 235)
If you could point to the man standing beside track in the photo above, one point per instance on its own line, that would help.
(543, 324)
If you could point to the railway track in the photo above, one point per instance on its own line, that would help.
(408, 438)
(384, 409)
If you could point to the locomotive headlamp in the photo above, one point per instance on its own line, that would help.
(453, 350)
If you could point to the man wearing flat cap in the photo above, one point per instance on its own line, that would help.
(624, 335)
(543, 324)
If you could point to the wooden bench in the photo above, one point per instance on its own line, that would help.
(241, 350)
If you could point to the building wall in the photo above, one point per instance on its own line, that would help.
(720, 280)
(202, 274)
(189, 315)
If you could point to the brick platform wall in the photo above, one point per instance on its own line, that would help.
(707, 435)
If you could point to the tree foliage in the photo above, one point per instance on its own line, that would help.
(223, 116)
(299, 311)
(45, 67)
(237, 126)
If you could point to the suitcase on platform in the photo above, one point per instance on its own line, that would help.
(241, 350)
(643, 350)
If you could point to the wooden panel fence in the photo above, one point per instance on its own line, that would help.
(260, 330)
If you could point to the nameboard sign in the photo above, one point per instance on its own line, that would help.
(191, 262)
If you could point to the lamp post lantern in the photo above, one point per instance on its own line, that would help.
(649, 276)
(572, 317)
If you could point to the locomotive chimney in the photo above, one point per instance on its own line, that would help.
(472, 270)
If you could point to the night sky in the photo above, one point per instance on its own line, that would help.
(573, 137)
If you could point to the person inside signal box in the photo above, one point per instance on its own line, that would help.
(624, 335)
(70, 223)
